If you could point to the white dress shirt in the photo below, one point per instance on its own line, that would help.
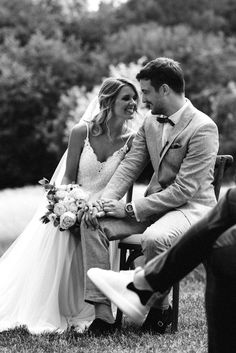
(167, 128)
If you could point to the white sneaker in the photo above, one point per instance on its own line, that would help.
(114, 286)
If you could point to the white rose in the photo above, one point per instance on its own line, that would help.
(72, 207)
(59, 208)
(63, 187)
(61, 194)
(68, 200)
(67, 220)
(52, 217)
(78, 193)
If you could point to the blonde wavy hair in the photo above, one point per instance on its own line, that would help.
(106, 98)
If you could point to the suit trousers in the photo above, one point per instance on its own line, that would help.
(156, 238)
(212, 241)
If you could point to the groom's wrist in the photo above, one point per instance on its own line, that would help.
(129, 210)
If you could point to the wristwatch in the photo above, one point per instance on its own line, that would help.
(129, 210)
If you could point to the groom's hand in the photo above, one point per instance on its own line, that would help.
(101, 208)
(114, 208)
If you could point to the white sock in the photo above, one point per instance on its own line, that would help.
(140, 281)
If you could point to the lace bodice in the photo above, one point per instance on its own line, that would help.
(94, 175)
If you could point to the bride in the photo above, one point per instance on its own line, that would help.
(41, 274)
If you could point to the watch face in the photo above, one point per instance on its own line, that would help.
(129, 207)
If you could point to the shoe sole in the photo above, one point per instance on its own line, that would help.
(123, 304)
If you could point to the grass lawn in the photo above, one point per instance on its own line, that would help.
(16, 209)
(191, 336)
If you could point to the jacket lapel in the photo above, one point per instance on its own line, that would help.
(184, 120)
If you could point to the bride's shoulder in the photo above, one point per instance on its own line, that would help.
(77, 136)
(79, 130)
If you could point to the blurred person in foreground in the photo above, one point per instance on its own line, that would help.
(212, 241)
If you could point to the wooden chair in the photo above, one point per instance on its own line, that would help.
(130, 247)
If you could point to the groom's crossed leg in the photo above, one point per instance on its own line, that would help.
(155, 240)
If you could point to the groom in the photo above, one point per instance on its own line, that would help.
(182, 145)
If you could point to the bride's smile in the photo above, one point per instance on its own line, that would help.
(126, 103)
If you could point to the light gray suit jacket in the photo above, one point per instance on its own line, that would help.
(183, 169)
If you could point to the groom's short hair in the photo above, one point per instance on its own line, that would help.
(163, 70)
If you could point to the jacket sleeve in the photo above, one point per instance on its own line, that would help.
(195, 167)
(129, 169)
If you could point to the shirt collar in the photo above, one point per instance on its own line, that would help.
(176, 116)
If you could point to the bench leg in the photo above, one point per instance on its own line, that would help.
(174, 325)
(119, 313)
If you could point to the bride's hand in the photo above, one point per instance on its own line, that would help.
(99, 204)
(90, 217)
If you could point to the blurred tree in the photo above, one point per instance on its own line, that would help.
(55, 52)
(227, 10)
(205, 58)
(23, 149)
(24, 18)
(203, 15)
(32, 79)
(90, 30)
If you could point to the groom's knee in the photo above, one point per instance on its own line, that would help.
(154, 243)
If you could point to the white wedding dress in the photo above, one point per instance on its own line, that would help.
(41, 274)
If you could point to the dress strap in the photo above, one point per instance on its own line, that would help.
(87, 125)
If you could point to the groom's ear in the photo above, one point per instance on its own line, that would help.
(165, 89)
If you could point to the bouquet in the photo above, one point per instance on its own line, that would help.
(66, 205)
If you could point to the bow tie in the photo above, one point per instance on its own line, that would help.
(163, 120)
